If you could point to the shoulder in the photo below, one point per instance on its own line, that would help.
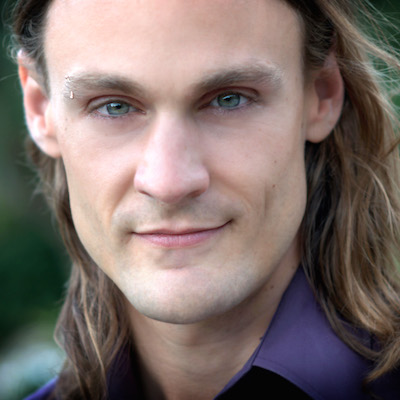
(44, 392)
(301, 346)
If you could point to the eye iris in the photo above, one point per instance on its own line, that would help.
(229, 100)
(117, 108)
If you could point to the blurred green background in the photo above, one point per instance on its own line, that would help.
(33, 263)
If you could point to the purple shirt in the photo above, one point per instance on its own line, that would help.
(299, 355)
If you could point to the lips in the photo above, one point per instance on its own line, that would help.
(179, 239)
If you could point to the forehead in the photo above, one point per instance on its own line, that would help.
(174, 38)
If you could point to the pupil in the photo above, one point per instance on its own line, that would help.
(116, 108)
(229, 100)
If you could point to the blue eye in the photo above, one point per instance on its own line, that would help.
(229, 100)
(115, 109)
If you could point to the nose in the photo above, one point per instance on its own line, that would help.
(171, 168)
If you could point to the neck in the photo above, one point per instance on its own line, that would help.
(197, 360)
(192, 361)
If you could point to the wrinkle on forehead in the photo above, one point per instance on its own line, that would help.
(170, 44)
(163, 14)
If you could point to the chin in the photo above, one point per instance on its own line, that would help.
(183, 310)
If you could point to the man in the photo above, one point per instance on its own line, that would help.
(225, 175)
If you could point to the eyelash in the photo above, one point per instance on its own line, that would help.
(94, 109)
(245, 100)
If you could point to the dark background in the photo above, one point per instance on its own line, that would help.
(33, 263)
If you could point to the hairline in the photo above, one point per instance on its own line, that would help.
(41, 68)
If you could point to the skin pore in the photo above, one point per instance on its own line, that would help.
(182, 127)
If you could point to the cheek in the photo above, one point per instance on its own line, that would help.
(96, 183)
(273, 184)
(287, 185)
(266, 162)
(85, 199)
(99, 170)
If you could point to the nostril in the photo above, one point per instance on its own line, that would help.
(172, 185)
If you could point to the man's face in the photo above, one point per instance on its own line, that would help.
(182, 126)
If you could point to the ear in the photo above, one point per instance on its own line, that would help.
(326, 94)
(37, 109)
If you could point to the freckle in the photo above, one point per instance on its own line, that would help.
(273, 186)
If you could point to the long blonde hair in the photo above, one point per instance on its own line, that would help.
(350, 231)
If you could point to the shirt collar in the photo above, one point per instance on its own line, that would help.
(301, 346)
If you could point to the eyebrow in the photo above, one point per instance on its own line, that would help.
(267, 74)
(79, 83)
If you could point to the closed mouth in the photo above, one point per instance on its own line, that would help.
(170, 238)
